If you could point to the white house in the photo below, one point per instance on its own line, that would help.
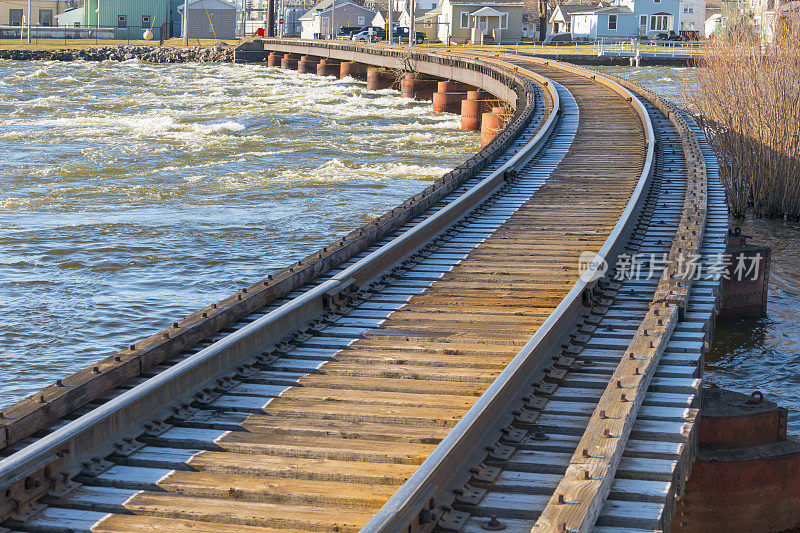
(712, 23)
(692, 16)
(626, 19)
(326, 18)
(561, 18)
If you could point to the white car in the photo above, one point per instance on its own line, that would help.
(365, 36)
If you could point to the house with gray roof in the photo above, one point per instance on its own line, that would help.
(475, 21)
(561, 18)
(626, 19)
(325, 18)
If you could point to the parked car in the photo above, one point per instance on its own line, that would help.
(348, 31)
(561, 37)
(402, 34)
(671, 36)
(365, 35)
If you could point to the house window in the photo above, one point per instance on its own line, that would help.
(643, 21)
(145, 21)
(504, 21)
(691, 9)
(361, 21)
(15, 17)
(122, 21)
(612, 22)
(659, 23)
(464, 19)
(45, 17)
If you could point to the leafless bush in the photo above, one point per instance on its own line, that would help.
(748, 95)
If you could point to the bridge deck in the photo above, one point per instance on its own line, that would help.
(323, 430)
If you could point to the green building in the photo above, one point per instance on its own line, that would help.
(128, 18)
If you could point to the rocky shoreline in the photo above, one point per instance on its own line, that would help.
(197, 54)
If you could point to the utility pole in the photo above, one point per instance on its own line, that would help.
(29, 21)
(391, 22)
(542, 19)
(185, 22)
(413, 31)
(333, 20)
(271, 18)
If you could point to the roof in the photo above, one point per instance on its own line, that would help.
(485, 12)
(567, 10)
(325, 5)
(484, 3)
(395, 14)
(429, 14)
(613, 10)
(207, 4)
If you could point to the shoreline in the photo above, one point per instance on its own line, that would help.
(196, 54)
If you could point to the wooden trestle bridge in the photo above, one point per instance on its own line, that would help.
(455, 365)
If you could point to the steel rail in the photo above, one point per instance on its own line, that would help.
(593, 467)
(416, 505)
(94, 433)
(44, 408)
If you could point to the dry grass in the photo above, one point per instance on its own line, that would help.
(748, 96)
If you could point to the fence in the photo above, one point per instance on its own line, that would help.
(71, 35)
(635, 47)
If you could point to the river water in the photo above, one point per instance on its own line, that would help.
(751, 354)
(132, 194)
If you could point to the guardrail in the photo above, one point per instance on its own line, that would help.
(47, 464)
(424, 498)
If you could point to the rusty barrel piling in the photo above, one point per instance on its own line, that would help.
(417, 87)
(492, 124)
(353, 69)
(289, 61)
(307, 65)
(380, 78)
(747, 473)
(449, 95)
(328, 67)
(476, 104)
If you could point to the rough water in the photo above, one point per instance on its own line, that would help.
(132, 194)
(751, 354)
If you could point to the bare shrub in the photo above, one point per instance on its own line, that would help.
(748, 98)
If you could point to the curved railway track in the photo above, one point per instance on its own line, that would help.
(453, 387)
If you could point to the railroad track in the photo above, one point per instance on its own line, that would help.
(372, 414)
